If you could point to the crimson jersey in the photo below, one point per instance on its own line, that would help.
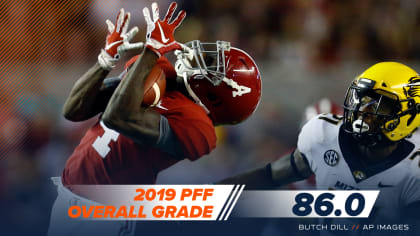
(106, 157)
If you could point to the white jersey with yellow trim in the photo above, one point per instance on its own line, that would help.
(333, 158)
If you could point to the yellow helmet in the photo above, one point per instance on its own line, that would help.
(383, 101)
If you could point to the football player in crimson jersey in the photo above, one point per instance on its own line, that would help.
(211, 84)
(368, 148)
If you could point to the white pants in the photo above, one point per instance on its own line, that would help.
(61, 224)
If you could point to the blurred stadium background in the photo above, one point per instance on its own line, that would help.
(305, 50)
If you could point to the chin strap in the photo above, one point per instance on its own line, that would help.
(192, 94)
(182, 70)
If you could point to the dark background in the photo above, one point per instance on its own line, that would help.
(305, 50)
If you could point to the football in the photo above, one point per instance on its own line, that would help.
(154, 87)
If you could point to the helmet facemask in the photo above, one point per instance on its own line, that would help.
(368, 113)
(203, 60)
(200, 60)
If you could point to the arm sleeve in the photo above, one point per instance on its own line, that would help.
(300, 166)
(195, 132)
(197, 139)
(111, 82)
(305, 140)
(167, 140)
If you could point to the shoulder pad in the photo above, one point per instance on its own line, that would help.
(319, 130)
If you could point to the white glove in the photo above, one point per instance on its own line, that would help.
(118, 41)
(160, 33)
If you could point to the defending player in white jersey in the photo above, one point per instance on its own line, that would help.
(368, 148)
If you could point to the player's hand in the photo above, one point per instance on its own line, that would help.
(118, 41)
(160, 34)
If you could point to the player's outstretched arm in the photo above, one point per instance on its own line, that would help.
(89, 95)
(84, 100)
(124, 112)
(287, 169)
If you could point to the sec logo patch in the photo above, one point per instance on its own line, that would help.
(331, 157)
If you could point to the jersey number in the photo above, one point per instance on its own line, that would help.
(414, 155)
(335, 119)
(101, 143)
